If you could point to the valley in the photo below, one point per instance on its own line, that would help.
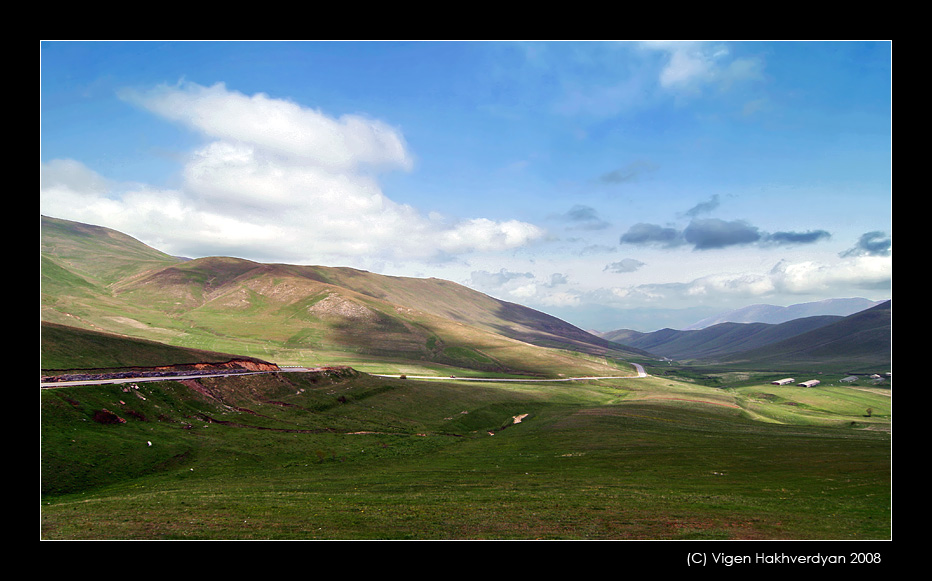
(358, 406)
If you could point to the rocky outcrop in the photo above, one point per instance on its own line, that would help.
(233, 364)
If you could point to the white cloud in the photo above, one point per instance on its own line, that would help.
(279, 127)
(69, 175)
(862, 272)
(624, 265)
(786, 281)
(685, 66)
(692, 65)
(486, 235)
(274, 181)
(525, 291)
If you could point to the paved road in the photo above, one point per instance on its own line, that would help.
(639, 368)
(142, 379)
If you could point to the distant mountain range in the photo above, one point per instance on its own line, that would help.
(774, 314)
(861, 341)
(98, 279)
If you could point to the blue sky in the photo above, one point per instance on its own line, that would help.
(613, 184)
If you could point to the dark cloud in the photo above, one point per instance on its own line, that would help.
(874, 243)
(624, 265)
(703, 207)
(584, 218)
(809, 237)
(651, 234)
(714, 233)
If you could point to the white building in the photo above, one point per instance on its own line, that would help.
(786, 381)
(810, 383)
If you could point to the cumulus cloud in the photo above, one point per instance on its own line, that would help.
(277, 126)
(481, 234)
(862, 272)
(525, 287)
(273, 181)
(803, 279)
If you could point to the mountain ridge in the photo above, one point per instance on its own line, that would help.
(102, 280)
(774, 314)
(862, 338)
(98, 279)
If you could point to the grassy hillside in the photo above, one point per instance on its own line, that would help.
(69, 349)
(96, 279)
(351, 456)
(98, 255)
(858, 343)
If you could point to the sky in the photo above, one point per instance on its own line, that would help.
(616, 185)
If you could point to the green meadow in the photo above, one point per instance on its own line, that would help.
(347, 455)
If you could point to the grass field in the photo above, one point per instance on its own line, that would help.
(304, 456)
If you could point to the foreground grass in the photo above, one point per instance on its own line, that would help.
(365, 458)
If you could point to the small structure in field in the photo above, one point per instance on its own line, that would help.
(786, 381)
(810, 383)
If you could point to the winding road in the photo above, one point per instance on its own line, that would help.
(639, 368)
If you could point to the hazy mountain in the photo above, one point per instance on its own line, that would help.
(717, 340)
(774, 314)
(96, 278)
(861, 342)
(861, 339)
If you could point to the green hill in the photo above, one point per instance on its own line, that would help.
(97, 279)
(858, 343)
(68, 349)
(718, 340)
(346, 455)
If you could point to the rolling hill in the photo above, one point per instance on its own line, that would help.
(97, 279)
(79, 350)
(861, 340)
(717, 340)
